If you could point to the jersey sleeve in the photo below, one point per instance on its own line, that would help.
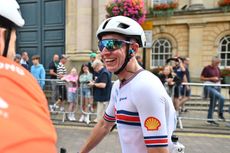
(110, 111)
(151, 108)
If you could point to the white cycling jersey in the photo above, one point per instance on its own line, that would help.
(143, 111)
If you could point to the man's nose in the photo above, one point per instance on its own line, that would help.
(105, 51)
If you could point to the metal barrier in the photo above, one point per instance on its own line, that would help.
(199, 102)
(57, 89)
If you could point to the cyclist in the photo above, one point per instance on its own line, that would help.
(24, 116)
(139, 104)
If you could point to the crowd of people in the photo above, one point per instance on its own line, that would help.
(174, 76)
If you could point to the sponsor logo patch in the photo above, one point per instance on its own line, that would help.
(152, 124)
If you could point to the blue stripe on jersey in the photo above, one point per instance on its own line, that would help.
(127, 113)
(129, 123)
(158, 145)
(155, 137)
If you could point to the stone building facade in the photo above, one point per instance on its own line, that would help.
(199, 29)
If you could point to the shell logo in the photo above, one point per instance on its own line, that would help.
(152, 124)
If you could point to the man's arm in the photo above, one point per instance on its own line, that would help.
(100, 85)
(213, 79)
(52, 72)
(101, 129)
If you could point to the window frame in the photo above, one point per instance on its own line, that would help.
(226, 52)
(164, 53)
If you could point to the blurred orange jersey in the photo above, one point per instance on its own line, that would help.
(25, 125)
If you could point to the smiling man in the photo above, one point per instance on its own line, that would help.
(139, 104)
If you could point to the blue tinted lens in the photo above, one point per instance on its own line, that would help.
(110, 45)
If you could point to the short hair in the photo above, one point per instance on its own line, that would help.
(35, 57)
(63, 56)
(96, 63)
(215, 58)
(17, 56)
(24, 52)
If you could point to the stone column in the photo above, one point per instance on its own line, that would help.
(98, 16)
(196, 5)
(71, 26)
(195, 49)
(78, 29)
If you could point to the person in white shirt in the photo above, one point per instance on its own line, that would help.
(139, 104)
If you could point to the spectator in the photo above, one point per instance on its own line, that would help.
(61, 72)
(92, 59)
(25, 60)
(211, 75)
(139, 61)
(53, 75)
(169, 80)
(179, 70)
(185, 90)
(85, 78)
(102, 88)
(38, 71)
(71, 80)
(17, 58)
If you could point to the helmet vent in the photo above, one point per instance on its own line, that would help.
(123, 26)
(105, 24)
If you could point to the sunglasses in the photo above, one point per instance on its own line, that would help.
(111, 44)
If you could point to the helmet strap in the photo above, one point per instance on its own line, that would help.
(127, 58)
(5, 52)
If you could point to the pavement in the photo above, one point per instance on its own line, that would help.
(196, 135)
(73, 137)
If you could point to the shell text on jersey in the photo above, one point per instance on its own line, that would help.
(12, 67)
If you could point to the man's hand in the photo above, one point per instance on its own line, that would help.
(214, 79)
(91, 83)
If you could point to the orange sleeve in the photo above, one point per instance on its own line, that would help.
(24, 116)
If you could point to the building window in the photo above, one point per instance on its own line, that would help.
(161, 51)
(224, 51)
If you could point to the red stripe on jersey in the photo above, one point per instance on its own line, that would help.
(156, 141)
(109, 118)
(128, 118)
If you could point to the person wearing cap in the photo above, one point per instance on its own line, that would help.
(92, 57)
(25, 120)
(211, 75)
(38, 71)
(139, 103)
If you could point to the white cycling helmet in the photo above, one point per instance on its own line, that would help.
(10, 14)
(122, 25)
